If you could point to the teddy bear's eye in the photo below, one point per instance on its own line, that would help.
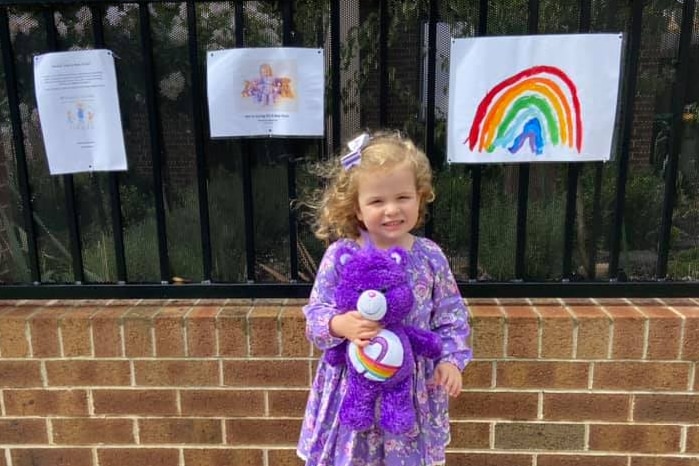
(383, 290)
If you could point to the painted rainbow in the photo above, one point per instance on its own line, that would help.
(538, 107)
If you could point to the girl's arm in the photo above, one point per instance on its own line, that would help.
(449, 315)
(321, 304)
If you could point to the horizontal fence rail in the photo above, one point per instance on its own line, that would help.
(195, 217)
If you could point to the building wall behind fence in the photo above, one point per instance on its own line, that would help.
(553, 382)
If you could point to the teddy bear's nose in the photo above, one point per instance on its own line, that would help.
(372, 294)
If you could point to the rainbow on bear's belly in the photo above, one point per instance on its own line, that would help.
(380, 359)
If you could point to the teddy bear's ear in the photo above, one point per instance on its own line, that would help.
(398, 255)
(342, 256)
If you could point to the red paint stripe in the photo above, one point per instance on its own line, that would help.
(485, 103)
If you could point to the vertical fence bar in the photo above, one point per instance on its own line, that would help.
(336, 73)
(523, 173)
(383, 62)
(679, 90)
(245, 146)
(289, 38)
(198, 101)
(431, 99)
(596, 220)
(156, 144)
(97, 11)
(634, 48)
(574, 170)
(8, 63)
(68, 184)
(476, 174)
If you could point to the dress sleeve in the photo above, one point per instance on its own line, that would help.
(321, 304)
(449, 315)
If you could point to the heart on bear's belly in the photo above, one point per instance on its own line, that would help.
(380, 359)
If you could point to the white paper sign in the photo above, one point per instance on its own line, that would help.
(266, 92)
(541, 98)
(76, 94)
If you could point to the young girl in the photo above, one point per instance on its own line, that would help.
(377, 194)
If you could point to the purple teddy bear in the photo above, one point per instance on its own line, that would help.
(376, 283)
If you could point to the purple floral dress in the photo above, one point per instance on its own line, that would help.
(439, 307)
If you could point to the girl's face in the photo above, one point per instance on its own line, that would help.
(388, 205)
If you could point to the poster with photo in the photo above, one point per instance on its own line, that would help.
(544, 98)
(266, 92)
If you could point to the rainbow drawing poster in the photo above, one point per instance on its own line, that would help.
(544, 98)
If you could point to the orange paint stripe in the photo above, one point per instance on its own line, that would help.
(545, 86)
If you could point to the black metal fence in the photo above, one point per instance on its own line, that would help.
(195, 217)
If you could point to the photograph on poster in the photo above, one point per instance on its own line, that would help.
(537, 99)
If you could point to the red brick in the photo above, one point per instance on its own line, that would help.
(106, 331)
(2, 458)
(201, 331)
(663, 461)
(474, 435)
(15, 374)
(542, 374)
(478, 374)
(44, 332)
(275, 432)
(293, 328)
(524, 436)
(586, 407)
(138, 325)
(232, 326)
(75, 332)
(641, 376)
(628, 332)
(184, 431)
(690, 344)
(494, 405)
(231, 403)
(224, 457)
(46, 402)
(13, 333)
(138, 457)
(23, 431)
(693, 439)
(522, 332)
(664, 333)
(92, 431)
(581, 460)
(488, 459)
(51, 457)
(169, 331)
(667, 408)
(83, 373)
(286, 457)
(149, 402)
(264, 331)
(556, 332)
(635, 438)
(488, 331)
(287, 403)
(593, 332)
(181, 373)
(266, 373)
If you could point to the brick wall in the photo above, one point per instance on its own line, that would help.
(575, 382)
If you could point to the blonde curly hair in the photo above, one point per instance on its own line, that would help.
(334, 207)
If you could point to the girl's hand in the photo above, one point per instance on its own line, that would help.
(448, 376)
(352, 326)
